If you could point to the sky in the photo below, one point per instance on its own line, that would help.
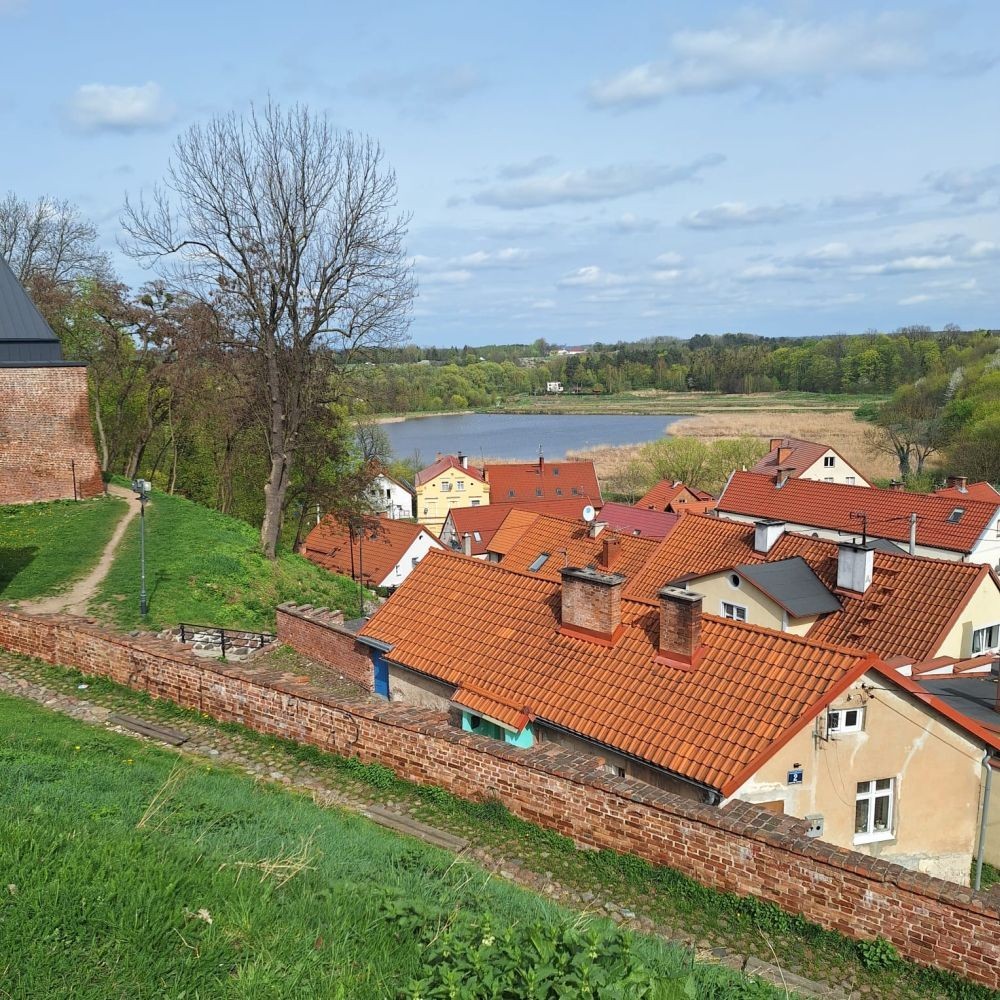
(580, 172)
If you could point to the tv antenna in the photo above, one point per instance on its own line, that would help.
(862, 516)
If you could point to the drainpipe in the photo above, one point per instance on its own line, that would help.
(983, 820)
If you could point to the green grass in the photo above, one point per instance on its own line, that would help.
(44, 547)
(128, 871)
(205, 568)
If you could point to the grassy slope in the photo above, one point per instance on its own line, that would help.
(100, 904)
(205, 568)
(46, 546)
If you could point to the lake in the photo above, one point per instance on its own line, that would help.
(518, 436)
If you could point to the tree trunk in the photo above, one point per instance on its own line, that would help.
(274, 502)
(132, 469)
(102, 439)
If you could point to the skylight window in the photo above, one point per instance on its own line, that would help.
(542, 559)
(956, 515)
(478, 537)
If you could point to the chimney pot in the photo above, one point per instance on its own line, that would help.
(855, 565)
(959, 483)
(591, 604)
(766, 533)
(680, 627)
(463, 460)
(897, 485)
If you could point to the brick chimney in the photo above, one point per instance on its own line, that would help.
(591, 605)
(463, 460)
(784, 454)
(776, 443)
(680, 628)
(855, 565)
(766, 533)
(959, 483)
(780, 477)
(897, 485)
(611, 551)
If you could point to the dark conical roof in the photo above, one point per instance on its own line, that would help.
(26, 340)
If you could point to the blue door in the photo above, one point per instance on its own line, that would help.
(381, 674)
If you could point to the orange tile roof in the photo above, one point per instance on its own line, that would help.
(553, 535)
(510, 531)
(637, 520)
(483, 703)
(531, 481)
(911, 605)
(375, 550)
(676, 498)
(830, 505)
(486, 520)
(444, 463)
(802, 454)
(984, 492)
(714, 725)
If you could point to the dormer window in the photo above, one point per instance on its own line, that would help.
(956, 515)
(555, 470)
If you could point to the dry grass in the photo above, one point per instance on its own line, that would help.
(837, 428)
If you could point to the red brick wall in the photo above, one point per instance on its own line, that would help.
(44, 428)
(315, 632)
(739, 848)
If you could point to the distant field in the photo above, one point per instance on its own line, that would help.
(655, 401)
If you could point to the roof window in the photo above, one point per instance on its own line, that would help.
(555, 470)
(538, 491)
(542, 559)
(510, 493)
(956, 515)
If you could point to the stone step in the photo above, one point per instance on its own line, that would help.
(151, 729)
(414, 828)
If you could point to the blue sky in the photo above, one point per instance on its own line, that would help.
(579, 172)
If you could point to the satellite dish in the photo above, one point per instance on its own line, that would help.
(589, 513)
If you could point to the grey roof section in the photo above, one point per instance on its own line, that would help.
(792, 585)
(972, 696)
(884, 545)
(26, 340)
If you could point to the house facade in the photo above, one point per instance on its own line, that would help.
(448, 483)
(809, 460)
(390, 497)
(674, 497)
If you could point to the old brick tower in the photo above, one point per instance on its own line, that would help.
(46, 446)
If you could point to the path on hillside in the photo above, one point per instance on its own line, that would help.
(77, 598)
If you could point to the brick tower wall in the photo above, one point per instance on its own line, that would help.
(44, 430)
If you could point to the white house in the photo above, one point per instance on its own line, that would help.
(809, 460)
(553, 387)
(390, 497)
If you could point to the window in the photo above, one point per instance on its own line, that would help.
(734, 579)
(845, 720)
(575, 491)
(399, 571)
(850, 480)
(538, 491)
(414, 561)
(558, 492)
(478, 537)
(555, 470)
(829, 461)
(542, 559)
(510, 493)
(985, 639)
(873, 811)
(460, 484)
(735, 612)
(614, 770)
(828, 479)
(956, 515)
(445, 487)
(475, 503)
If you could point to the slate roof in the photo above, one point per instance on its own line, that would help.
(639, 521)
(26, 340)
(486, 520)
(528, 482)
(568, 543)
(714, 725)
(376, 551)
(912, 603)
(792, 585)
(830, 505)
(664, 494)
(444, 463)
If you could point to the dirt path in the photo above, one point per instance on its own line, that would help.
(76, 599)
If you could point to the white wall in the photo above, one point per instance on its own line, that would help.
(839, 472)
(392, 498)
(422, 544)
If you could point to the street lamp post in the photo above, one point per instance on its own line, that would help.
(141, 487)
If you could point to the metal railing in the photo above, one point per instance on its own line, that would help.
(227, 638)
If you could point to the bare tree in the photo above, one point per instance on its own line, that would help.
(290, 228)
(49, 239)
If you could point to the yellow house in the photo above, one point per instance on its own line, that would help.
(447, 484)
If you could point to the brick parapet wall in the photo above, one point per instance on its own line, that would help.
(738, 848)
(319, 634)
(44, 431)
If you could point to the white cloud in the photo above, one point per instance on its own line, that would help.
(913, 300)
(631, 223)
(966, 187)
(669, 259)
(908, 265)
(829, 252)
(99, 107)
(543, 304)
(591, 276)
(780, 54)
(528, 168)
(731, 214)
(592, 184)
(770, 272)
(984, 248)
(457, 276)
(667, 276)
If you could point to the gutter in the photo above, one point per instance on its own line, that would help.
(981, 848)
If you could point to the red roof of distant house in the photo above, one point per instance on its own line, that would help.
(908, 610)
(677, 498)
(941, 522)
(486, 520)
(984, 492)
(441, 465)
(514, 525)
(568, 543)
(527, 482)
(375, 549)
(639, 521)
(793, 455)
(715, 725)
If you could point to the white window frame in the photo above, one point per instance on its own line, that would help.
(460, 484)
(475, 503)
(985, 633)
(837, 723)
(445, 486)
(829, 461)
(850, 480)
(733, 611)
(869, 793)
